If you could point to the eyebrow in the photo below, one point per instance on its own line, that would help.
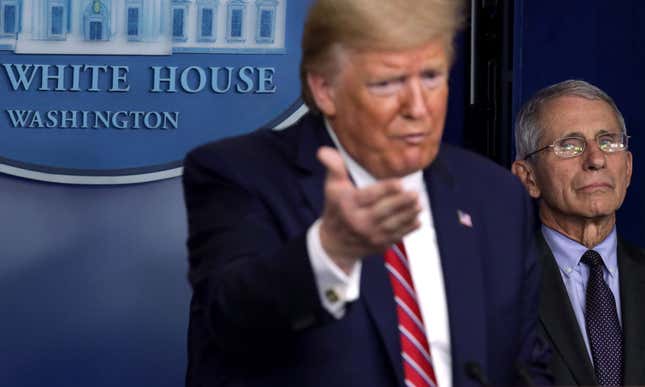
(572, 134)
(579, 134)
(386, 78)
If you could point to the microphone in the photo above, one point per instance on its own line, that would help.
(474, 371)
(524, 374)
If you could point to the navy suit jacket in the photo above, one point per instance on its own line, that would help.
(255, 316)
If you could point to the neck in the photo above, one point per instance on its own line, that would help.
(587, 231)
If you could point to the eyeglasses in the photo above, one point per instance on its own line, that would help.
(572, 146)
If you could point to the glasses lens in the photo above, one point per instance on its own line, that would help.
(569, 147)
(612, 142)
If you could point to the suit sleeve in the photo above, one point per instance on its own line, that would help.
(252, 287)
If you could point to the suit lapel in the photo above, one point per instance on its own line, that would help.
(559, 321)
(376, 291)
(312, 135)
(632, 289)
(462, 268)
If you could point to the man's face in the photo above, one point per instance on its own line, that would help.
(592, 185)
(387, 107)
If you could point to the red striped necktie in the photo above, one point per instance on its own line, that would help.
(415, 349)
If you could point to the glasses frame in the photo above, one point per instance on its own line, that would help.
(584, 147)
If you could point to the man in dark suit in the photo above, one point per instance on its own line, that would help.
(348, 249)
(572, 157)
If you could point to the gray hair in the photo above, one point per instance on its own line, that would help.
(528, 131)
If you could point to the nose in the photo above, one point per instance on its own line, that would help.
(414, 100)
(594, 157)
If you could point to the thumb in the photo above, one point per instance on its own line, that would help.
(332, 160)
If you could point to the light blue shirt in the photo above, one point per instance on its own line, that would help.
(575, 274)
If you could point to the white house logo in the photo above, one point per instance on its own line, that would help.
(117, 91)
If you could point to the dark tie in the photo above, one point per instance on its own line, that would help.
(603, 328)
(415, 349)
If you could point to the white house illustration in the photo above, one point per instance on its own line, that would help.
(140, 27)
(235, 26)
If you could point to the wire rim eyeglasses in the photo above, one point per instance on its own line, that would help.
(574, 145)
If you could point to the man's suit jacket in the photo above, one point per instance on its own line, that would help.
(570, 363)
(255, 317)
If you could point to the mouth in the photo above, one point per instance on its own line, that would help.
(593, 187)
(414, 138)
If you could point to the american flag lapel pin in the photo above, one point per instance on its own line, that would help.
(464, 218)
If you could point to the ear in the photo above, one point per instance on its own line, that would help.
(524, 171)
(629, 167)
(322, 91)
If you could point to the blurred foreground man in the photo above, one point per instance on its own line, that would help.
(572, 157)
(348, 249)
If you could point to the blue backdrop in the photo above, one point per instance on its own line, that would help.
(92, 285)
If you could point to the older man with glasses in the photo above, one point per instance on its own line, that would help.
(573, 158)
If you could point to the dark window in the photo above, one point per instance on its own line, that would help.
(236, 23)
(178, 22)
(57, 20)
(9, 19)
(96, 30)
(133, 21)
(266, 24)
(207, 22)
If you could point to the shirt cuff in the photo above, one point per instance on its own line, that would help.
(335, 288)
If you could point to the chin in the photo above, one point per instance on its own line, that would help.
(403, 164)
(394, 171)
(600, 211)
(411, 168)
(418, 162)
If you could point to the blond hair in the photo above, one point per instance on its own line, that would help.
(333, 25)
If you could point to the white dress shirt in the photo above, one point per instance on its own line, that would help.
(335, 288)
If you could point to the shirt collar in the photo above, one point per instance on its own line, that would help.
(568, 252)
(362, 178)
